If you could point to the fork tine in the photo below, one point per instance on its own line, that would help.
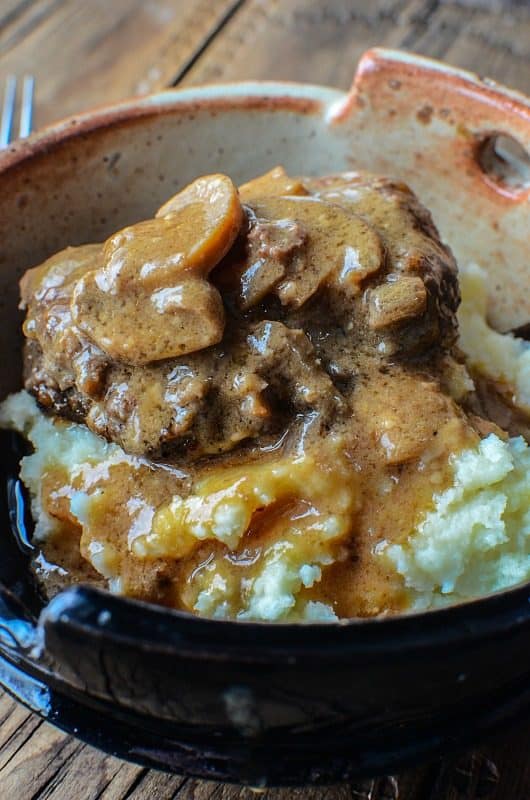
(26, 106)
(8, 110)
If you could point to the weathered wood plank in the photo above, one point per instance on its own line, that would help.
(322, 42)
(19, 17)
(496, 45)
(36, 764)
(85, 54)
(123, 782)
(157, 786)
(10, 10)
(39, 762)
(296, 40)
(89, 775)
(17, 725)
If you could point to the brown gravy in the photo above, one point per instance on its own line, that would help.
(236, 331)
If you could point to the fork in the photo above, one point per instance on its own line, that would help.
(8, 109)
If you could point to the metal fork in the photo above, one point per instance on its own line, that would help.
(8, 109)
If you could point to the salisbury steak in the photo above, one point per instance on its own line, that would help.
(232, 317)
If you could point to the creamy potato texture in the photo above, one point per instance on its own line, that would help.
(502, 357)
(476, 540)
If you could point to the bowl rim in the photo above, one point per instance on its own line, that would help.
(83, 609)
(453, 623)
(293, 95)
(246, 95)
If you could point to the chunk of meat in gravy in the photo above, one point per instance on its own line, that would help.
(286, 358)
(403, 413)
(151, 325)
(271, 246)
(493, 402)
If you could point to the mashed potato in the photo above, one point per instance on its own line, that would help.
(477, 538)
(473, 541)
(501, 357)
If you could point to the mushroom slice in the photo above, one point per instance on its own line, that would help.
(191, 232)
(208, 216)
(271, 246)
(271, 184)
(397, 301)
(145, 325)
(150, 300)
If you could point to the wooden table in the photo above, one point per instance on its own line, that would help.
(88, 52)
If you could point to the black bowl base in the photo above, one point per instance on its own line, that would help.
(127, 735)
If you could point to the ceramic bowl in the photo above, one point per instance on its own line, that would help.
(258, 703)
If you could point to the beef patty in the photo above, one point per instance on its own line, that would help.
(234, 317)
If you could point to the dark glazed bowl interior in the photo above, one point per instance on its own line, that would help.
(253, 703)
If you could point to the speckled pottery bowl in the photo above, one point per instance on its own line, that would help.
(258, 703)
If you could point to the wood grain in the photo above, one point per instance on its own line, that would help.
(87, 53)
(321, 42)
(38, 762)
(98, 51)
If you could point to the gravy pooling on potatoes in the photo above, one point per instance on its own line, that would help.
(277, 363)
